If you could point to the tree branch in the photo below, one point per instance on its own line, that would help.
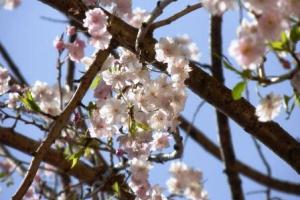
(227, 150)
(254, 175)
(81, 171)
(169, 20)
(60, 122)
(13, 67)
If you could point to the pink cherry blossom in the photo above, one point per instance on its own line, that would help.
(218, 7)
(58, 43)
(76, 50)
(269, 107)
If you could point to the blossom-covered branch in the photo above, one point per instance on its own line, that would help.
(241, 111)
(59, 123)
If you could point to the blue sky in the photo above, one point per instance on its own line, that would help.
(28, 39)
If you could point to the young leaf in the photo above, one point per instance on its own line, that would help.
(74, 158)
(143, 126)
(29, 102)
(238, 90)
(295, 34)
(281, 45)
(116, 189)
(96, 82)
(132, 127)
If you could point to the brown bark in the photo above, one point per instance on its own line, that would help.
(227, 150)
(28, 146)
(251, 173)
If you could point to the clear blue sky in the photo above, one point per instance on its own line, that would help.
(28, 38)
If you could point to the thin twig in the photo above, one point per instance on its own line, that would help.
(60, 122)
(266, 164)
(156, 12)
(201, 104)
(169, 20)
(13, 67)
(177, 153)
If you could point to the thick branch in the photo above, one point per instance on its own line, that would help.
(213, 149)
(202, 84)
(169, 20)
(81, 171)
(227, 150)
(60, 122)
(13, 67)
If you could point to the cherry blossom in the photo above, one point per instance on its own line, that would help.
(160, 141)
(249, 48)
(218, 7)
(76, 50)
(96, 22)
(269, 107)
(186, 181)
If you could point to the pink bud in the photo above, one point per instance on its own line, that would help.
(77, 118)
(119, 152)
(58, 44)
(285, 63)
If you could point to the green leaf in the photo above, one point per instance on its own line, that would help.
(132, 127)
(295, 34)
(282, 44)
(74, 158)
(238, 90)
(96, 82)
(143, 126)
(87, 152)
(277, 46)
(29, 102)
(284, 38)
(116, 189)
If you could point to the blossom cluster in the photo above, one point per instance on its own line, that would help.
(49, 98)
(139, 109)
(186, 181)
(145, 108)
(269, 20)
(218, 7)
